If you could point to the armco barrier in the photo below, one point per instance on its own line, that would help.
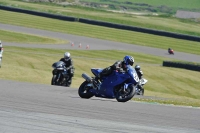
(139, 29)
(48, 15)
(182, 65)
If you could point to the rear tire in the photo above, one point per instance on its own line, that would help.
(126, 96)
(83, 90)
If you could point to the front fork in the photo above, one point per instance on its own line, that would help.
(126, 87)
(58, 78)
(55, 72)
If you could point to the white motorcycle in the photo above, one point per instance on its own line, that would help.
(140, 90)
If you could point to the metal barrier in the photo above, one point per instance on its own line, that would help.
(188, 66)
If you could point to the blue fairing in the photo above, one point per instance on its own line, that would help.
(114, 79)
(134, 79)
(96, 71)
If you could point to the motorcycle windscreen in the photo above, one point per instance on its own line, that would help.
(108, 84)
(134, 79)
(58, 64)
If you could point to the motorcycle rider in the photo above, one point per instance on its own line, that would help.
(1, 48)
(118, 65)
(169, 50)
(140, 74)
(139, 71)
(1, 51)
(69, 66)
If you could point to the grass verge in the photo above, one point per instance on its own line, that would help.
(34, 65)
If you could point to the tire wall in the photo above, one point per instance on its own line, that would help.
(187, 66)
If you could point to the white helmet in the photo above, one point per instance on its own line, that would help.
(67, 56)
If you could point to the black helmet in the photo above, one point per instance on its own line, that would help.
(128, 60)
(137, 67)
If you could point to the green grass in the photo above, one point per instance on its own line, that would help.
(34, 65)
(154, 22)
(99, 32)
(178, 86)
(190, 4)
(172, 101)
(168, 7)
(9, 36)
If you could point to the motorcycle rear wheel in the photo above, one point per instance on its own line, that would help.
(122, 96)
(83, 90)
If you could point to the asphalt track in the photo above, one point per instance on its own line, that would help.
(38, 108)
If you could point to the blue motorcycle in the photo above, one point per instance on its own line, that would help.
(119, 85)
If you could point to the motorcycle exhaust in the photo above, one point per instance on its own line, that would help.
(86, 77)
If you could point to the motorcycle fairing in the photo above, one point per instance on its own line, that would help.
(96, 71)
(54, 72)
(132, 73)
(65, 73)
(58, 65)
(114, 79)
(109, 83)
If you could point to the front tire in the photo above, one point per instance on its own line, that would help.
(83, 90)
(53, 80)
(124, 96)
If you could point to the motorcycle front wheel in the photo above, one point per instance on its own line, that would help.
(125, 95)
(53, 80)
